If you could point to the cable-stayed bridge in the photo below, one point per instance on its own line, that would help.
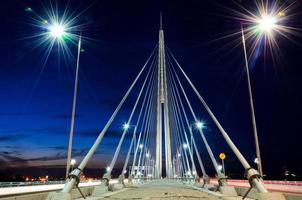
(166, 162)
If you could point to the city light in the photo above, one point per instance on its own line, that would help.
(73, 161)
(185, 145)
(57, 31)
(267, 23)
(141, 146)
(54, 30)
(199, 125)
(126, 126)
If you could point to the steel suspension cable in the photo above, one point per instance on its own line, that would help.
(252, 173)
(75, 174)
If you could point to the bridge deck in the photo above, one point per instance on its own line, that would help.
(158, 190)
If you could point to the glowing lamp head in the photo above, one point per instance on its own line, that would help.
(108, 169)
(220, 167)
(141, 146)
(147, 155)
(57, 31)
(73, 161)
(126, 126)
(179, 155)
(267, 23)
(199, 125)
(185, 145)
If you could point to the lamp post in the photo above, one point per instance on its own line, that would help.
(58, 32)
(265, 25)
(251, 103)
(73, 106)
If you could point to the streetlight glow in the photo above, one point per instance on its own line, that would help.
(185, 145)
(73, 161)
(126, 126)
(141, 146)
(199, 125)
(267, 23)
(57, 31)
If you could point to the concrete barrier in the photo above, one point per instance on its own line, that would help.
(253, 194)
(87, 191)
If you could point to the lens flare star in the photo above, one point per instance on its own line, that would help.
(264, 25)
(54, 28)
(263, 22)
(57, 31)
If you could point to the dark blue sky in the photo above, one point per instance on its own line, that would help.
(35, 107)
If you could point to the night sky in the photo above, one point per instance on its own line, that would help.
(36, 93)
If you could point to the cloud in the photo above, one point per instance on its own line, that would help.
(57, 148)
(6, 138)
(11, 159)
(45, 112)
(64, 116)
(114, 134)
(60, 155)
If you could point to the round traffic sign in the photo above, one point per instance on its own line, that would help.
(222, 156)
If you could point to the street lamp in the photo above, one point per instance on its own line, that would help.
(57, 31)
(265, 24)
(72, 163)
(220, 167)
(199, 125)
(126, 126)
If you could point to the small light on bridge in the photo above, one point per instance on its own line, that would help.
(185, 146)
(108, 169)
(73, 161)
(179, 155)
(219, 167)
(57, 31)
(126, 126)
(141, 146)
(199, 125)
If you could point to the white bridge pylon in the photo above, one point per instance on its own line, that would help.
(162, 119)
(162, 111)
